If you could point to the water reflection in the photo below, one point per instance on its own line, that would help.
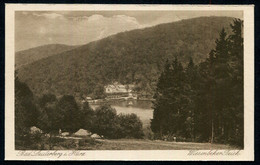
(143, 109)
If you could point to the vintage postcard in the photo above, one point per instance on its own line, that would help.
(129, 82)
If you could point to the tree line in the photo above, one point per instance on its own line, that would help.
(51, 114)
(134, 57)
(204, 102)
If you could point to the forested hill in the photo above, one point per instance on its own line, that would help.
(34, 54)
(135, 56)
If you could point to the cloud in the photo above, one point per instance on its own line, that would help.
(102, 34)
(49, 15)
(42, 30)
(101, 26)
(76, 18)
(128, 19)
(35, 28)
(70, 30)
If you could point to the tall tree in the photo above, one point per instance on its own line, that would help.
(26, 112)
(160, 104)
(105, 121)
(87, 116)
(48, 113)
(170, 100)
(204, 103)
(177, 99)
(191, 91)
(68, 119)
(237, 86)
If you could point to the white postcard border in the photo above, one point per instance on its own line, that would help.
(246, 154)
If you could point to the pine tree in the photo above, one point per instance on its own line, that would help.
(236, 62)
(170, 106)
(178, 100)
(204, 103)
(192, 87)
(160, 104)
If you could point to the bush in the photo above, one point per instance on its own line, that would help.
(68, 111)
(36, 137)
(55, 140)
(130, 126)
(87, 116)
(68, 144)
(107, 123)
(148, 133)
(86, 141)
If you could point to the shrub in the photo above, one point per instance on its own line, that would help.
(111, 125)
(105, 121)
(55, 140)
(69, 144)
(87, 116)
(130, 126)
(36, 137)
(82, 142)
(68, 111)
(86, 141)
(148, 133)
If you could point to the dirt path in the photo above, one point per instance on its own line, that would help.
(133, 144)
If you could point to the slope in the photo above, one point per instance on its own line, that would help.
(135, 56)
(34, 54)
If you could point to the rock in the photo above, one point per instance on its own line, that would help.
(34, 130)
(82, 132)
(95, 136)
(65, 134)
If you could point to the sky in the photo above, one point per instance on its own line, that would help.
(36, 28)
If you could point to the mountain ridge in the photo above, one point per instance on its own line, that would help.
(31, 55)
(135, 56)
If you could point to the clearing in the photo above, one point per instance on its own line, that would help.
(134, 144)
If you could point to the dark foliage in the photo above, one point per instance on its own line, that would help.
(87, 117)
(105, 121)
(48, 119)
(110, 125)
(130, 126)
(130, 57)
(26, 112)
(204, 102)
(68, 114)
(28, 56)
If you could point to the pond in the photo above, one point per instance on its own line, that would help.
(143, 109)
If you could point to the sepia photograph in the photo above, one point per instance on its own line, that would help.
(129, 79)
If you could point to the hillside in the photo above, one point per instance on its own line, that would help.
(135, 56)
(34, 54)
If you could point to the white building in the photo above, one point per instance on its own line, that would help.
(118, 88)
